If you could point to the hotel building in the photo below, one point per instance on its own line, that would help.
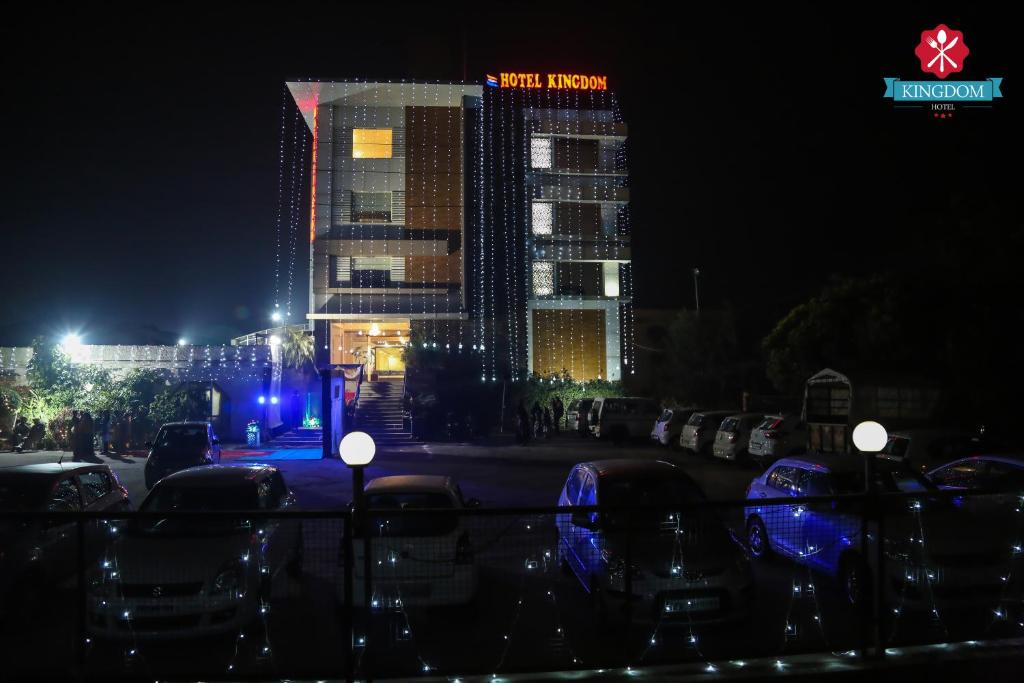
(491, 220)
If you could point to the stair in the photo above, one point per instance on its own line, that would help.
(299, 438)
(380, 412)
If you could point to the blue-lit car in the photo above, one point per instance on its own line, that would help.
(685, 563)
(938, 551)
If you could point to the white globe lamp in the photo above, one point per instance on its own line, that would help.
(357, 449)
(870, 437)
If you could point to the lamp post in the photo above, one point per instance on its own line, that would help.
(869, 437)
(696, 289)
(357, 450)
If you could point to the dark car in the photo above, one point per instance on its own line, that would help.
(178, 446)
(37, 553)
(684, 562)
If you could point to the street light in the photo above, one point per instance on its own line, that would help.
(870, 437)
(182, 341)
(276, 316)
(357, 450)
(70, 344)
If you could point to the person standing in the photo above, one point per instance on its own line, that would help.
(558, 410)
(19, 434)
(88, 435)
(522, 424)
(35, 434)
(538, 416)
(547, 422)
(105, 432)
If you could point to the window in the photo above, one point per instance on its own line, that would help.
(371, 207)
(371, 263)
(397, 268)
(958, 475)
(781, 478)
(95, 485)
(543, 278)
(371, 143)
(543, 218)
(573, 486)
(610, 272)
(343, 268)
(65, 497)
(540, 153)
(814, 484)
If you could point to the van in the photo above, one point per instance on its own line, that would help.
(622, 418)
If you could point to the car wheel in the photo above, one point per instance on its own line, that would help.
(854, 579)
(757, 538)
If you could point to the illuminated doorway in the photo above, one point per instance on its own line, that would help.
(378, 345)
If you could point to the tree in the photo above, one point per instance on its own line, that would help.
(873, 324)
(705, 364)
(297, 347)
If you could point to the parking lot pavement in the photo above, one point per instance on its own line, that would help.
(499, 475)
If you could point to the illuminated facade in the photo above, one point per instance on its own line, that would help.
(557, 160)
(388, 216)
(480, 219)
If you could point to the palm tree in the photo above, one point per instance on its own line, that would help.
(297, 347)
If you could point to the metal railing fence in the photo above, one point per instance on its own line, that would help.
(402, 591)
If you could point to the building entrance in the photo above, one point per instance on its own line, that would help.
(378, 345)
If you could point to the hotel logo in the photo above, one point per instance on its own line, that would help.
(942, 51)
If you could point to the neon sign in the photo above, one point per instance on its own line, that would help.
(550, 81)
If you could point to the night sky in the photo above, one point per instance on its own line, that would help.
(141, 151)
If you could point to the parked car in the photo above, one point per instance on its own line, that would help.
(733, 435)
(669, 425)
(578, 414)
(180, 576)
(685, 563)
(777, 436)
(926, 449)
(935, 550)
(179, 445)
(622, 418)
(995, 473)
(38, 554)
(699, 431)
(418, 560)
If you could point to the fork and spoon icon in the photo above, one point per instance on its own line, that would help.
(941, 46)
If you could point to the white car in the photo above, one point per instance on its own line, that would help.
(423, 560)
(699, 431)
(180, 576)
(733, 435)
(776, 437)
(669, 425)
(622, 418)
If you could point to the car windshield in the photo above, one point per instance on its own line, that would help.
(19, 494)
(181, 437)
(170, 498)
(434, 524)
(696, 420)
